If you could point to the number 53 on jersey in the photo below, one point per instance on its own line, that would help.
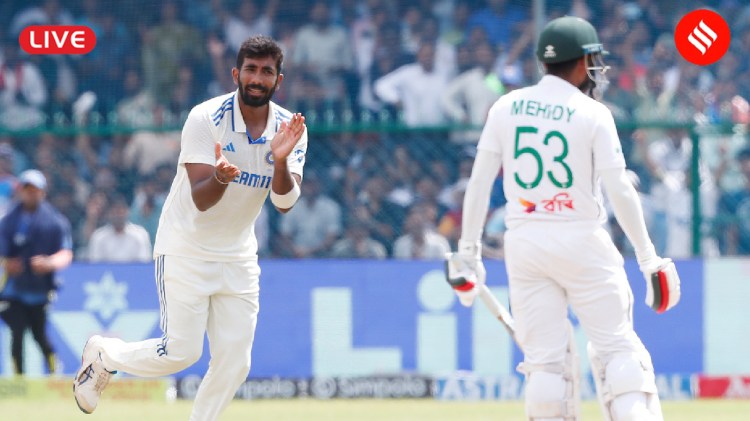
(527, 146)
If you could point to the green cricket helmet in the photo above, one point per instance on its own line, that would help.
(567, 38)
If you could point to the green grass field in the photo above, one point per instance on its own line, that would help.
(349, 410)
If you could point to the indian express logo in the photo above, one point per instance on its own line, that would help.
(702, 37)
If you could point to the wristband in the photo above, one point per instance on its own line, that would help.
(286, 200)
(219, 179)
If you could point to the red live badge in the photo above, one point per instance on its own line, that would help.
(57, 39)
(702, 37)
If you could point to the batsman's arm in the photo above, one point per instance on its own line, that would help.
(662, 280)
(477, 198)
(628, 210)
(484, 172)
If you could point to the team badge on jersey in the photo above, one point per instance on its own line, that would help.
(269, 158)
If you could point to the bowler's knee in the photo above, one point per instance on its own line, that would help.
(183, 354)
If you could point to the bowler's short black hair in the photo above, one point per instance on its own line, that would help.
(260, 46)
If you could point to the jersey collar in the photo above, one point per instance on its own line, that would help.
(238, 124)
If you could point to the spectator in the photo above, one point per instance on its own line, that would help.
(146, 150)
(386, 57)
(679, 218)
(67, 173)
(7, 179)
(445, 53)
(357, 243)
(419, 242)
(455, 34)
(96, 71)
(402, 170)
(667, 160)
(206, 15)
(313, 225)
(35, 242)
(426, 192)
(23, 90)
(468, 98)
(50, 12)
(138, 105)
(734, 221)
(146, 208)
(166, 47)
(493, 238)
(382, 217)
(247, 22)
(93, 219)
(416, 89)
(364, 35)
(498, 20)
(411, 18)
(221, 59)
(120, 240)
(63, 199)
(450, 223)
(323, 54)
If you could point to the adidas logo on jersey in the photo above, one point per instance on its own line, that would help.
(229, 147)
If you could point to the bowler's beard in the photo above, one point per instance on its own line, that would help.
(256, 101)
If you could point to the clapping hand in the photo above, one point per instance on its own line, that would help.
(287, 136)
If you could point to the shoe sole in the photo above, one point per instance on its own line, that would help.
(78, 374)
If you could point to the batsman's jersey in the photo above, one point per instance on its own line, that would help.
(553, 139)
(224, 232)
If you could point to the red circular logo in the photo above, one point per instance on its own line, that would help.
(702, 37)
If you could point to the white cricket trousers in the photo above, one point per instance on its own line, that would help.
(198, 297)
(553, 264)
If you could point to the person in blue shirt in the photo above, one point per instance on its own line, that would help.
(35, 242)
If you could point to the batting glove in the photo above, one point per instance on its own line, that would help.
(465, 271)
(662, 283)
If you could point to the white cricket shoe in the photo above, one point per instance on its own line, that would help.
(92, 377)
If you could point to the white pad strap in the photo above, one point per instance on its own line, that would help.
(287, 200)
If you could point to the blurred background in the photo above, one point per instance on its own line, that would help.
(395, 94)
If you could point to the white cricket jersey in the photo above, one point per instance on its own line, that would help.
(225, 232)
(553, 139)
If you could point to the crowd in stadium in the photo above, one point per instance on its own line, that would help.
(426, 63)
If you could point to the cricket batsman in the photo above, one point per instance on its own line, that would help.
(558, 145)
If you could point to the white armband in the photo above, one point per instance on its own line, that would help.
(287, 200)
